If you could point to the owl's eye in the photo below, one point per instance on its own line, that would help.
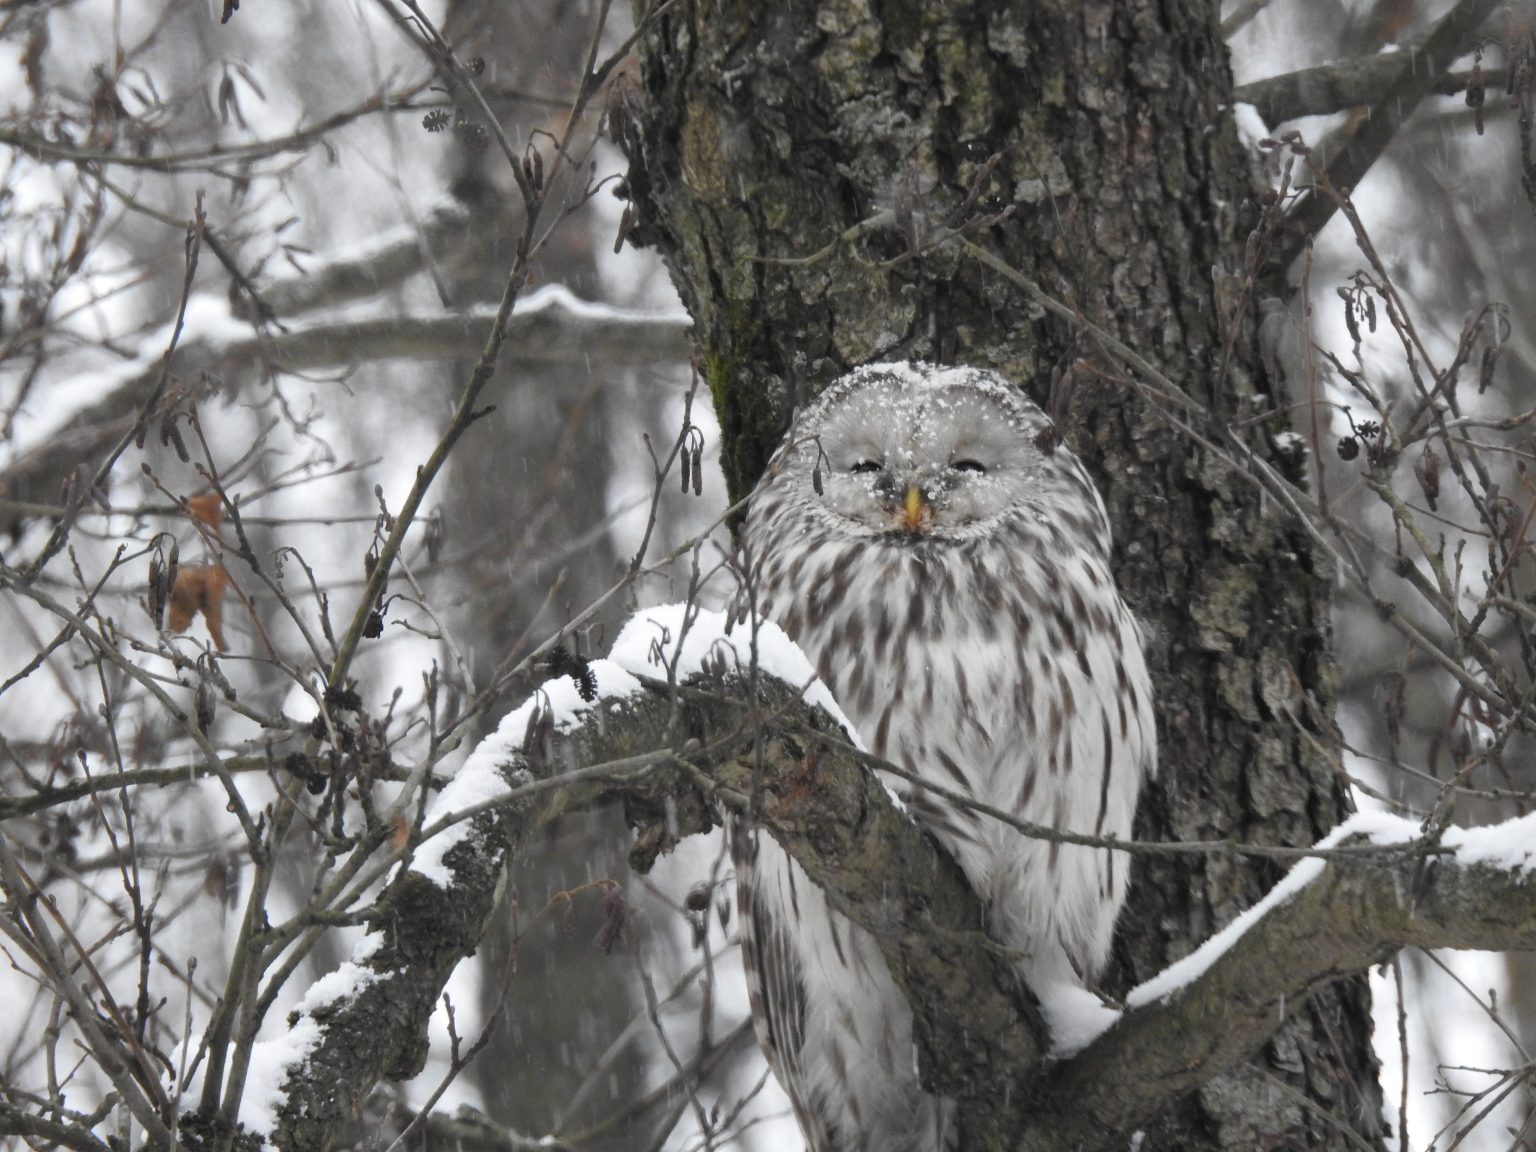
(864, 467)
(968, 465)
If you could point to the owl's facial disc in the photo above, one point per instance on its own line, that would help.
(938, 465)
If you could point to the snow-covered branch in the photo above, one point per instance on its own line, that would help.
(680, 723)
(1325, 920)
(550, 325)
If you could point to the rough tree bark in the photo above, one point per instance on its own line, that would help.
(762, 134)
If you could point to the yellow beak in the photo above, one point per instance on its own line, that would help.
(914, 508)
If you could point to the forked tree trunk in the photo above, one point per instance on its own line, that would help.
(761, 133)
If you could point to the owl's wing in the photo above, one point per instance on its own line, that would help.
(775, 983)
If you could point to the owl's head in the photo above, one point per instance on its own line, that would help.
(912, 450)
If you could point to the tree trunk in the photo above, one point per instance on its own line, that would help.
(518, 495)
(764, 133)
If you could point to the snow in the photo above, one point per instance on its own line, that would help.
(1250, 125)
(656, 637)
(211, 325)
(336, 988)
(679, 641)
(479, 780)
(1377, 827)
(264, 1095)
(208, 321)
(1077, 1020)
(373, 248)
(1509, 846)
(1290, 442)
(1075, 1017)
(561, 298)
(672, 635)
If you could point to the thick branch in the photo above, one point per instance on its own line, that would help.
(819, 801)
(380, 1030)
(1353, 915)
(1352, 151)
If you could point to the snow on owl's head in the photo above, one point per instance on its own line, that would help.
(929, 453)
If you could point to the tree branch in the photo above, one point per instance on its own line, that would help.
(1352, 915)
(1330, 88)
(1350, 153)
(564, 330)
(878, 868)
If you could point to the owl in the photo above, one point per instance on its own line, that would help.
(944, 562)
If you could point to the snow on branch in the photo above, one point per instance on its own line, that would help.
(1345, 84)
(550, 325)
(1327, 919)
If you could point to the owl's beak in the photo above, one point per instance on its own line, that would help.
(915, 510)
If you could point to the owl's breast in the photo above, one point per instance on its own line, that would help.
(1010, 675)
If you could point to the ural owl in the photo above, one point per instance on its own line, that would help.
(944, 563)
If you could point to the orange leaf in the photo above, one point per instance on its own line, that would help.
(207, 509)
(199, 589)
(400, 833)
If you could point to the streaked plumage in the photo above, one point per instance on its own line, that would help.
(950, 581)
